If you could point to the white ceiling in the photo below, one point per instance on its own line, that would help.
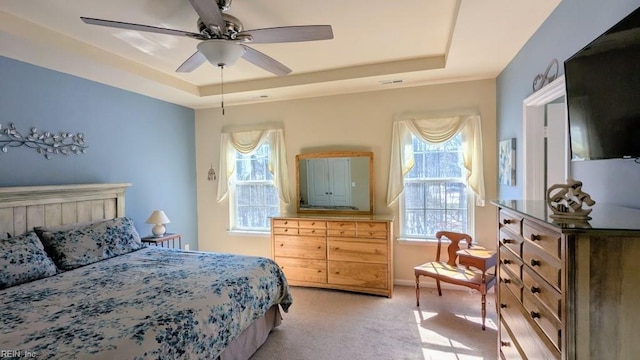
(417, 41)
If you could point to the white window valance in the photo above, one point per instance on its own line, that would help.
(436, 130)
(246, 142)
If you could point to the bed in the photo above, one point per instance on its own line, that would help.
(125, 301)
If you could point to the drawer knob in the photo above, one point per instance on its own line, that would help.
(503, 306)
(507, 221)
(285, 230)
(506, 261)
(286, 222)
(508, 241)
(535, 315)
(535, 237)
(506, 281)
(319, 247)
(535, 262)
(313, 231)
(319, 271)
(281, 244)
(534, 289)
(505, 343)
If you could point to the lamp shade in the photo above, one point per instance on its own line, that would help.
(158, 218)
(220, 52)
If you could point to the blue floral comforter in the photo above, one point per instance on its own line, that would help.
(152, 303)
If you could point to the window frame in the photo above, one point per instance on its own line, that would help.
(233, 196)
(470, 202)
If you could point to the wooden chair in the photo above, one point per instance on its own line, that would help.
(466, 267)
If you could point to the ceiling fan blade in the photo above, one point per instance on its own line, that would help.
(261, 60)
(209, 13)
(290, 34)
(192, 62)
(138, 27)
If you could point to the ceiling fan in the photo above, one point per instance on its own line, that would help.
(223, 38)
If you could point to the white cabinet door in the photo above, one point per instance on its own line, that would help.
(340, 182)
(318, 182)
(329, 182)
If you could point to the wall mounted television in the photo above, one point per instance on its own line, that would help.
(603, 94)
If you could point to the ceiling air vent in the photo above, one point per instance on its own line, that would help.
(391, 82)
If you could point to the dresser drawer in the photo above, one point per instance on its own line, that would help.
(341, 225)
(508, 348)
(511, 220)
(371, 226)
(535, 286)
(511, 261)
(312, 231)
(545, 265)
(547, 239)
(551, 326)
(285, 231)
(312, 224)
(285, 223)
(342, 232)
(533, 343)
(512, 282)
(357, 274)
(307, 247)
(511, 241)
(357, 251)
(367, 234)
(307, 270)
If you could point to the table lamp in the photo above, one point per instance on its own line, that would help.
(158, 218)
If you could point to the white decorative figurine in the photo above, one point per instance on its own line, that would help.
(566, 200)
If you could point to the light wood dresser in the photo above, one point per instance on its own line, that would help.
(352, 253)
(568, 291)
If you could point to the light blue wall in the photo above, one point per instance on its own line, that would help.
(572, 25)
(132, 138)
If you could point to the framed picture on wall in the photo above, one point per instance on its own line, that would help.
(507, 162)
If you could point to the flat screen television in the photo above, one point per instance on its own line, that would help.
(603, 94)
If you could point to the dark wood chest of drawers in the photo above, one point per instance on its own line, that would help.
(567, 291)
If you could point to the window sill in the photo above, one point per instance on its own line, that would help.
(248, 233)
(417, 242)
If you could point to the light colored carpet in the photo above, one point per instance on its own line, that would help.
(326, 324)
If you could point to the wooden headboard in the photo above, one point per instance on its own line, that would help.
(24, 207)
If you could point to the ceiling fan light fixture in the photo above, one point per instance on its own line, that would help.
(221, 52)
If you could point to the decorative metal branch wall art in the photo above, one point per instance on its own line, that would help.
(45, 143)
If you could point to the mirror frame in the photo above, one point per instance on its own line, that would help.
(335, 154)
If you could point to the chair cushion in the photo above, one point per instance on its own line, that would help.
(456, 274)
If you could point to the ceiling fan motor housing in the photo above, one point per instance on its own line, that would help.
(231, 30)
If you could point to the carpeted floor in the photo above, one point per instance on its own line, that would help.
(326, 324)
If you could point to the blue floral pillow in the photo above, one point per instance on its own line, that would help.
(23, 259)
(84, 245)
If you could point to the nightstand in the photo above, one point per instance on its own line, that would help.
(169, 239)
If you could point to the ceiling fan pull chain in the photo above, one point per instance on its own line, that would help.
(222, 87)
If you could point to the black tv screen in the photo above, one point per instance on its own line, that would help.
(603, 94)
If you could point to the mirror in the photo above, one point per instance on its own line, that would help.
(335, 182)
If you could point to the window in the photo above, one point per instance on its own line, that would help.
(253, 196)
(435, 193)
